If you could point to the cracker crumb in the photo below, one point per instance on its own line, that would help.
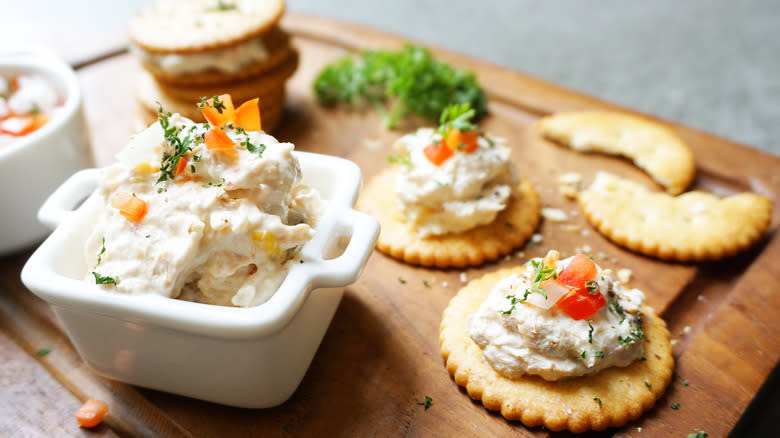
(601, 255)
(507, 258)
(673, 342)
(570, 178)
(639, 429)
(687, 329)
(574, 212)
(585, 249)
(585, 233)
(444, 284)
(700, 297)
(624, 275)
(372, 143)
(554, 214)
(569, 184)
(520, 254)
(571, 227)
(537, 238)
(463, 277)
(613, 260)
(567, 191)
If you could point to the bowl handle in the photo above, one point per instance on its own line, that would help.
(67, 197)
(362, 231)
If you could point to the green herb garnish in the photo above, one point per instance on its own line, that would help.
(43, 352)
(617, 310)
(540, 274)
(636, 334)
(427, 403)
(401, 280)
(102, 251)
(456, 117)
(599, 354)
(699, 434)
(685, 383)
(222, 7)
(590, 330)
(99, 279)
(405, 160)
(181, 146)
(649, 386)
(213, 184)
(584, 355)
(254, 149)
(675, 406)
(426, 284)
(598, 400)
(399, 83)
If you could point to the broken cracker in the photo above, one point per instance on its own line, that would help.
(651, 146)
(694, 226)
(609, 398)
(508, 231)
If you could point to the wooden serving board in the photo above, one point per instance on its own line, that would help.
(380, 356)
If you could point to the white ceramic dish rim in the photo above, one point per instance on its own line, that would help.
(39, 60)
(338, 220)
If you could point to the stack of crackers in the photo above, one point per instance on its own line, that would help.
(202, 48)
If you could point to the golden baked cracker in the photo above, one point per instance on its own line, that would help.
(172, 26)
(261, 85)
(652, 147)
(609, 398)
(511, 228)
(279, 50)
(694, 226)
(150, 94)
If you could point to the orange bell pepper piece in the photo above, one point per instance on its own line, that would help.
(465, 141)
(219, 110)
(248, 115)
(129, 206)
(181, 166)
(91, 413)
(218, 141)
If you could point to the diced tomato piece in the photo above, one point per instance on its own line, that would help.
(437, 153)
(218, 141)
(248, 115)
(580, 270)
(92, 413)
(225, 113)
(579, 304)
(181, 166)
(129, 206)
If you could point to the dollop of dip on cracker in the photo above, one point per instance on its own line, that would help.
(541, 322)
(455, 178)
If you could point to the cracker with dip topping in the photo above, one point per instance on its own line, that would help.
(694, 226)
(651, 146)
(510, 229)
(609, 398)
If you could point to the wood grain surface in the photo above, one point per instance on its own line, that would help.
(380, 356)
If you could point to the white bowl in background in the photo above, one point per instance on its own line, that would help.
(32, 166)
(247, 357)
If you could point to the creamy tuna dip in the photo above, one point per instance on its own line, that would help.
(518, 338)
(223, 229)
(227, 60)
(464, 191)
(27, 102)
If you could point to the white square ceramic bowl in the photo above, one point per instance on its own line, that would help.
(247, 357)
(32, 166)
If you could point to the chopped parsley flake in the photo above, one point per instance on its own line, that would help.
(675, 406)
(213, 184)
(99, 279)
(599, 354)
(222, 6)
(102, 251)
(597, 400)
(649, 386)
(427, 403)
(584, 355)
(254, 149)
(401, 280)
(685, 383)
(540, 274)
(699, 434)
(636, 334)
(405, 160)
(590, 331)
(617, 310)
(442, 184)
(43, 352)
(426, 284)
(181, 146)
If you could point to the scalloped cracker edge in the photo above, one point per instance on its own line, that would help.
(651, 146)
(694, 226)
(569, 404)
(510, 230)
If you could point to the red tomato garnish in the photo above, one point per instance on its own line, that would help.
(219, 116)
(248, 115)
(437, 153)
(580, 269)
(580, 304)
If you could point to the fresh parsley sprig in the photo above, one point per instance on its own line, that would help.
(405, 160)
(399, 83)
(181, 146)
(540, 274)
(456, 117)
(101, 279)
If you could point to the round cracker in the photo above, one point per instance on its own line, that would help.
(571, 404)
(172, 26)
(279, 50)
(652, 147)
(263, 84)
(510, 230)
(694, 226)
